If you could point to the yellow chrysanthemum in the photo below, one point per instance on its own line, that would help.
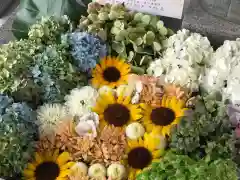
(110, 72)
(116, 111)
(141, 153)
(49, 166)
(164, 116)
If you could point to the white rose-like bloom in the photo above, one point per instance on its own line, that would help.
(97, 171)
(80, 100)
(223, 72)
(184, 59)
(79, 168)
(49, 115)
(87, 125)
(116, 172)
(135, 130)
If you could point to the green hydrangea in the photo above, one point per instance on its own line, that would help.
(15, 58)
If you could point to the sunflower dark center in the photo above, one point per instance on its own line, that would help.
(139, 158)
(111, 74)
(162, 116)
(47, 171)
(117, 114)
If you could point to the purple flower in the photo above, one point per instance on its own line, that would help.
(234, 116)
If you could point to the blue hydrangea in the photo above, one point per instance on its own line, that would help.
(5, 101)
(18, 131)
(86, 50)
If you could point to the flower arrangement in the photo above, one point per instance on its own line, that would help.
(120, 97)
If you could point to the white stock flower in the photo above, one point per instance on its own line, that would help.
(80, 100)
(184, 59)
(49, 115)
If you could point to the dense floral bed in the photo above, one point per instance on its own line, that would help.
(118, 97)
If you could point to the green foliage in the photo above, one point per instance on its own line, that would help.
(31, 11)
(40, 68)
(136, 37)
(206, 132)
(182, 167)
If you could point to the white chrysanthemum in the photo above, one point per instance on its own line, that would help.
(49, 115)
(80, 100)
(223, 73)
(183, 60)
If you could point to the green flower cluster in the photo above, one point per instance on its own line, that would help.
(136, 37)
(182, 167)
(205, 133)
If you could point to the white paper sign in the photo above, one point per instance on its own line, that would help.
(168, 8)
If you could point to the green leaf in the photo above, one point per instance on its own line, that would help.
(157, 46)
(149, 38)
(31, 11)
(130, 56)
(145, 60)
(146, 19)
(137, 70)
(119, 47)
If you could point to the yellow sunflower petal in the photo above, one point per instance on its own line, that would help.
(38, 158)
(98, 69)
(95, 83)
(63, 158)
(47, 156)
(149, 127)
(67, 166)
(64, 173)
(103, 63)
(55, 155)
(163, 101)
(120, 97)
(141, 142)
(31, 166)
(61, 178)
(133, 144)
(33, 178)
(157, 153)
(127, 100)
(28, 173)
(132, 174)
(166, 130)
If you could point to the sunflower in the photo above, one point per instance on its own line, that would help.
(116, 110)
(163, 117)
(49, 166)
(141, 153)
(111, 72)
